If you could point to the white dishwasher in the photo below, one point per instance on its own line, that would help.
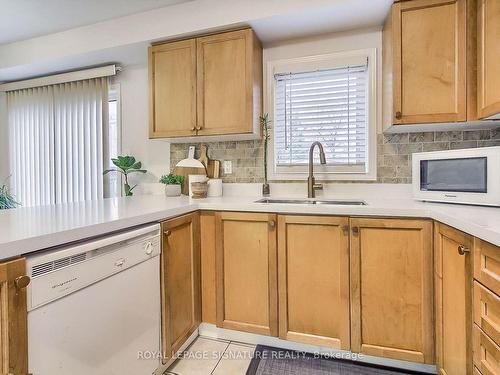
(94, 308)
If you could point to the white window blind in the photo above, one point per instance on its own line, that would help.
(327, 105)
(58, 142)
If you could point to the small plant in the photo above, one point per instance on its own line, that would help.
(265, 124)
(126, 165)
(6, 199)
(172, 179)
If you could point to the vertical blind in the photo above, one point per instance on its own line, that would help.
(329, 106)
(57, 138)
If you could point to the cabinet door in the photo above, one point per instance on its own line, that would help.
(247, 272)
(313, 279)
(229, 82)
(391, 289)
(453, 285)
(429, 61)
(488, 49)
(13, 318)
(172, 82)
(180, 276)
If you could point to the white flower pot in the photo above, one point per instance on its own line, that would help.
(172, 190)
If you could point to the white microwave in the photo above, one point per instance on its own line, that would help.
(470, 176)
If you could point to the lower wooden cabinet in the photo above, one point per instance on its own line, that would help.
(486, 353)
(13, 318)
(453, 285)
(247, 272)
(391, 289)
(313, 280)
(180, 278)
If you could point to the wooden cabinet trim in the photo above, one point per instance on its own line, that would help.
(208, 274)
(487, 264)
(486, 353)
(343, 341)
(170, 344)
(487, 311)
(222, 321)
(425, 352)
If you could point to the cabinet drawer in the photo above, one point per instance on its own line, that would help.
(487, 264)
(487, 311)
(486, 353)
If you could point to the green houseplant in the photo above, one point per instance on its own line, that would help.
(265, 124)
(172, 184)
(6, 199)
(126, 165)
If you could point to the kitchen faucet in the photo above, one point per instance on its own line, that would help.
(311, 185)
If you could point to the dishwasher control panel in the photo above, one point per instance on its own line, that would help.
(60, 272)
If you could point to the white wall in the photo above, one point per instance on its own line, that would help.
(154, 154)
(4, 139)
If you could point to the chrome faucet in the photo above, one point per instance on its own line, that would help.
(311, 185)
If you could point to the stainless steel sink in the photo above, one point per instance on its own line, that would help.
(313, 201)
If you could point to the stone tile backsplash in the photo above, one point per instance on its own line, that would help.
(393, 153)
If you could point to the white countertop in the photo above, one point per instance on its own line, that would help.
(25, 230)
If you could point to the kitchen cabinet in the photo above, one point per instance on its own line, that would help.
(172, 83)
(488, 56)
(180, 278)
(13, 318)
(453, 285)
(313, 280)
(206, 86)
(429, 67)
(246, 261)
(391, 289)
(208, 277)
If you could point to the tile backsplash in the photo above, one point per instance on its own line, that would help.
(393, 153)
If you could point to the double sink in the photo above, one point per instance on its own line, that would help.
(313, 201)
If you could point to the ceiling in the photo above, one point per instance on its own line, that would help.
(25, 19)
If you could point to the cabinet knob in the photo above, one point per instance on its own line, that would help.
(272, 223)
(198, 128)
(462, 250)
(345, 228)
(193, 128)
(167, 233)
(22, 282)
(399, 115)
(355, 230)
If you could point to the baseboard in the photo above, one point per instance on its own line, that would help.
(162, 368)
(210, 330)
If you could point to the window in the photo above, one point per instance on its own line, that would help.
(331, 99)
(59, 140)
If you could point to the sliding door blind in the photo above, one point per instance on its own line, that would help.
(329, 106)
(57, 138)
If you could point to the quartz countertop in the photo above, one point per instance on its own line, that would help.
(26, 230)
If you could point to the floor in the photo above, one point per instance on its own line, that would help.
(213, 356)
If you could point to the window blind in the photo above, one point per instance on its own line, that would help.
(58, 142)
(327, 105)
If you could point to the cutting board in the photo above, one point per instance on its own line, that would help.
(186, 167)
(212, 166)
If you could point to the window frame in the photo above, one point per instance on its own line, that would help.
(330, 60)
(114, 94)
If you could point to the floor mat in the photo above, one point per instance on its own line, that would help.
(273, 361)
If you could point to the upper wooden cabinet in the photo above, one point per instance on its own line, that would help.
(172, 82)
(425, 59)
(180, 278)
(247, 298)
(488, 58)
(453, 285)
(313, 280)
(13, 318)
(208, 86)
(391, 289)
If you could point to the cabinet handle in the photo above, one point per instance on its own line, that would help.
(345, 229)
(198, 128)
(193, 128)
(462, 250)
(22, 282)
(355, 230)
(399, 115)
(272, 223)
(167, 233)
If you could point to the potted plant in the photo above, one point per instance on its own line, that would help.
(126, 165)
(265, 123)
(6, 199)
(172, 184)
